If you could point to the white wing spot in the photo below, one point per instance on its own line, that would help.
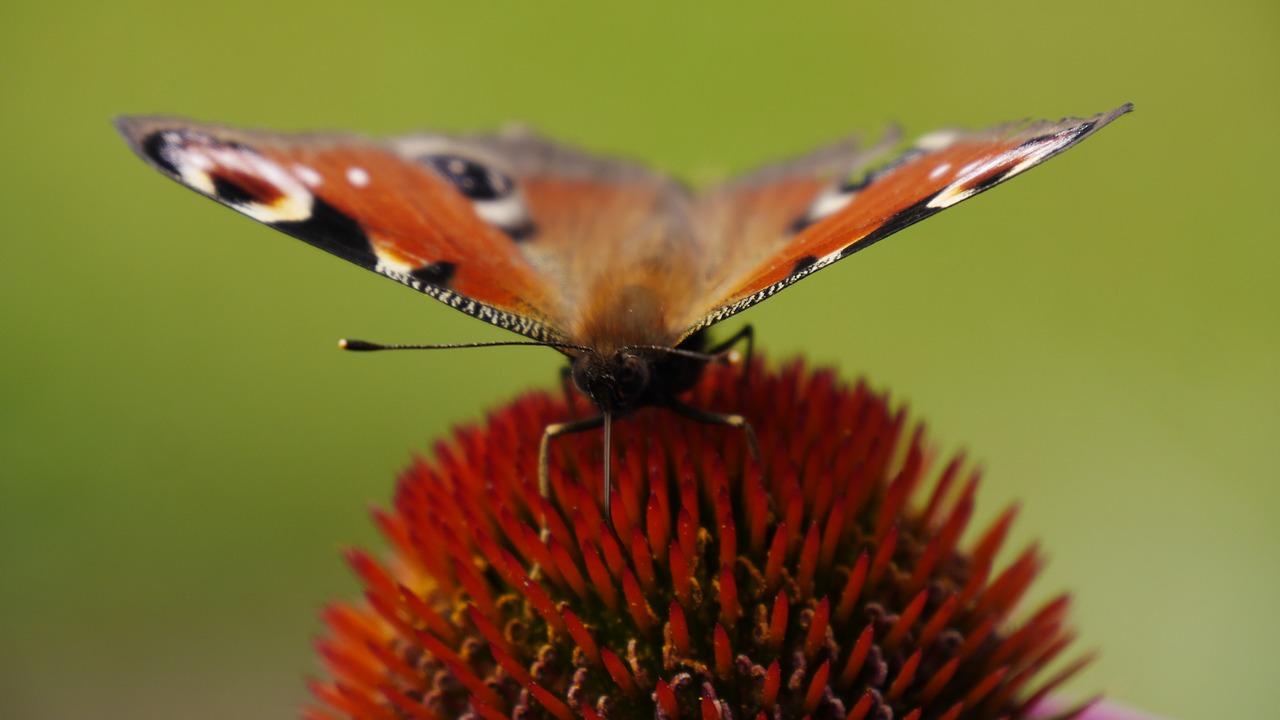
(506, 212)
(939, 171)
(308, 175)
(358, 176)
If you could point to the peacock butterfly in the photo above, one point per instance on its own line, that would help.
(617, 266)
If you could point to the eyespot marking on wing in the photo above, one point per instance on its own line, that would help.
(232, 174)
(471, 178)
(493, 194)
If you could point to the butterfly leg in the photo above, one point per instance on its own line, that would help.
(566, 386)
(544, 454)
(746, 334)
(711, 418)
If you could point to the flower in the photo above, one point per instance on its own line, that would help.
(825, 580)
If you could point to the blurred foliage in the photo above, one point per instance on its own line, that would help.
(182, 451)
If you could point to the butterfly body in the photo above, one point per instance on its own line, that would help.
(617, 266)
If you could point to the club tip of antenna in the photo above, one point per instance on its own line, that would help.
(345, 344)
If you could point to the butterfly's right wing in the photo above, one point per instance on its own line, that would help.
(533, 236)
(443, 224)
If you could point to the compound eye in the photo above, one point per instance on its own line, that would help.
(633, 373)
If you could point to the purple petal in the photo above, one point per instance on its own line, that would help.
(1054, 707)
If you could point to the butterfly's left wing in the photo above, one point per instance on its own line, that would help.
(780, 224)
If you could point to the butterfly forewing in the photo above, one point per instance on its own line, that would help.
(362, 201)
(943, 169)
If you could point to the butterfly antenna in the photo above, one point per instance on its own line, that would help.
(694, 354)
(365, 346)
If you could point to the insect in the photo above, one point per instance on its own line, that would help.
(619, 267)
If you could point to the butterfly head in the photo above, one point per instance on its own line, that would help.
(632, 377)
(616, 382)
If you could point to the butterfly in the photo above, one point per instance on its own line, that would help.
(619, 267)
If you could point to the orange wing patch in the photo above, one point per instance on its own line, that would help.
(365, 203)
(943, 169)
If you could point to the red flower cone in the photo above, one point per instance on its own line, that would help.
(827, 580)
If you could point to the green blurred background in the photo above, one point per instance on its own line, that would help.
(183, 451)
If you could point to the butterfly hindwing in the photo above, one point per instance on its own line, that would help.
(845, 216)
(442, 224)
(615, 236)
(756, 216)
